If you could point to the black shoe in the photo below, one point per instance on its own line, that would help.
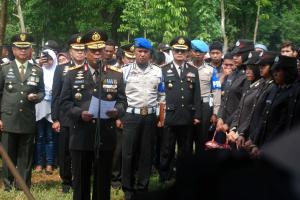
(66, 188)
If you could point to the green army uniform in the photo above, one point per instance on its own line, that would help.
(18, 116)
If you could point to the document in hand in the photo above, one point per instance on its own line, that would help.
(103, 108)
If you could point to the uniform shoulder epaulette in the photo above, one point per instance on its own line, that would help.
(165, 65)
(74, 67)
(114, 68)
(4, 64)
(37, 67)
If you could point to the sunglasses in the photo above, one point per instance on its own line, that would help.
(180, 50)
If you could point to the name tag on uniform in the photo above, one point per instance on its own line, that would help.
(31, 83)
(110, 86)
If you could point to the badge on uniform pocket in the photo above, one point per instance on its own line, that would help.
(78, 96)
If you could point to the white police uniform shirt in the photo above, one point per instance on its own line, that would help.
(208, 93)
(143, 87)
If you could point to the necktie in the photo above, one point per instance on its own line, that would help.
(22, 72)
(95, 75)
(180, 71)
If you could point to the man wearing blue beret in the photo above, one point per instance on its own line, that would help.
(144, 92)
(206, 75)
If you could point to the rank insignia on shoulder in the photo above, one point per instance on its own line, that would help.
(74, 67)
(114, 68)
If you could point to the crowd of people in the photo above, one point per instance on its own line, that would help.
(108, 115)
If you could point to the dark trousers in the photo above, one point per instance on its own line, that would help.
(64, 154)
(200, 132)
(172, 135)
(117, 159)
(138, 133)
(84, 165)
(20, 148)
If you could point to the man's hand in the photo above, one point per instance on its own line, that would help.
(240, 141)
(32, 97)
(119, 123)
(86, 116)
(1, 126)
(112, 113)
(196, 121)
(56, 126)
(255, 152)
(232, 136)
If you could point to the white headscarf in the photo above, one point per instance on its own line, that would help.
(49, 72)
(43, 109)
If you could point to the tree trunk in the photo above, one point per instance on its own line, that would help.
(3, 21)
(256, 23)
(223, 27)
(20, 16)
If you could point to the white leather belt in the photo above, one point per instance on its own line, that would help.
(141, 111)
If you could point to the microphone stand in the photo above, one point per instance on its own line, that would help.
(98, 141)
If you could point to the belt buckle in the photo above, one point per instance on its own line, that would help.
(144, 111)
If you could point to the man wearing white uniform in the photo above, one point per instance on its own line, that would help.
(144, 90)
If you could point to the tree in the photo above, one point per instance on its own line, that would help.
(225, 39)
(3, 21)
(19, 15)
(160, 20)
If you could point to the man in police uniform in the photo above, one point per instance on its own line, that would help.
(144, 91)
(92, 142)
(206, 72)
(128, 55)
(183, 104)
(61, 122)
(21, 87)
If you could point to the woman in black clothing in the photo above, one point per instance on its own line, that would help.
(274, 118)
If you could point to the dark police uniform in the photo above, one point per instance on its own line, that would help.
(18, 113)
(236, 82)
(183, 105)
(274, 119)
(78, 89)
(294, 106)
(243, 114)
(58, 115)
(266, 85)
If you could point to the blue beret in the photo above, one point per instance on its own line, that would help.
(142, 43)
(199, 45)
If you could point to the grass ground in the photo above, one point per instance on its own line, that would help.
(47, 187)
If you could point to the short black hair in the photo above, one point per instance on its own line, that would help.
(110, 42)
(228, 55)
(158, 57)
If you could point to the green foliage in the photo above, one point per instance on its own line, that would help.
(161, 20)
(158, 20)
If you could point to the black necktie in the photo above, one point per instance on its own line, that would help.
(95, 75)
(181, 71)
